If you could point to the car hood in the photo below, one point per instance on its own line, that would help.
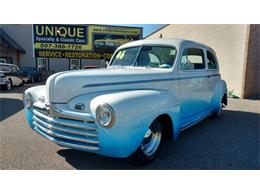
(61, 87)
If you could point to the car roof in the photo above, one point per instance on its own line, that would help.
(162, 41)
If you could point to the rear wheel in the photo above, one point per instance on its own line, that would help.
(151, 144)
(218, 113)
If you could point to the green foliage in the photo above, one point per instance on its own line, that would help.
(232, 95)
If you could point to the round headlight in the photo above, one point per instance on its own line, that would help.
(41, 99)
(105, 115)
(27, 100)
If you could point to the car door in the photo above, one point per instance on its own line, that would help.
(16, 76)
(194, 88)
(213, 71)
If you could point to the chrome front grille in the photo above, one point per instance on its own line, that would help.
(78, 134)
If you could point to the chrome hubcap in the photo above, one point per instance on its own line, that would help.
(151, 142)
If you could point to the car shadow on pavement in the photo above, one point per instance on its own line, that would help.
(230, 142)
(9, 107)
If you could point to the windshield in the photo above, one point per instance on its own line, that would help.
(145, 56)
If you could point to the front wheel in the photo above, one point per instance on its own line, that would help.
(151, 144)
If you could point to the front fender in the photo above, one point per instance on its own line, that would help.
(135, 111)
(37, 91)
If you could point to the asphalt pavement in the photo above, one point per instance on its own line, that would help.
(228, 142)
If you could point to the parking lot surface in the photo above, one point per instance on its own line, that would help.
(229, 142)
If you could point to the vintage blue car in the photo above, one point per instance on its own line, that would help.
(151, 90)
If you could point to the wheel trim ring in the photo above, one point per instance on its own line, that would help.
(151, 147)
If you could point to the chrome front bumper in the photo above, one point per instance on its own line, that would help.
(76, 130)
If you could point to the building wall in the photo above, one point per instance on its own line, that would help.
(58, 64)
(8, 53)
(252, 70)
(228, 41)
(22, 34)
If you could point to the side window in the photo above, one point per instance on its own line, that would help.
(192, 59)
(5, 68)
(212, 63)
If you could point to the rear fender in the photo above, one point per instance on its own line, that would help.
(218, 93)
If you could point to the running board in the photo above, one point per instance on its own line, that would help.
(197, 121)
